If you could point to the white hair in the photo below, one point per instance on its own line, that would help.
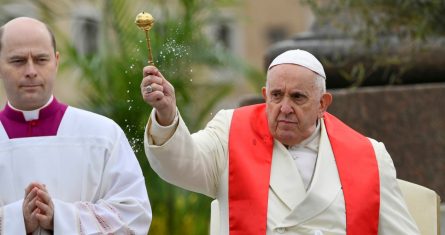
(320, 82)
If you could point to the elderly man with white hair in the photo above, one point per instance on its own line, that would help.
(283, 167)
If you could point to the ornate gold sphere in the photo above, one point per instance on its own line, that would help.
(144, 21)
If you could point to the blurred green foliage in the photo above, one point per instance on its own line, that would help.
(393, 33)
(369, 19)
(178, 46)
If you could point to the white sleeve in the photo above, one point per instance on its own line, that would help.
(11, 218)
(123, 207)
(160, 134)
(193, 162)
(394, 215)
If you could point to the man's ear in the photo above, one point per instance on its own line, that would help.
(325, 101)
(263, 91)
(57, 56)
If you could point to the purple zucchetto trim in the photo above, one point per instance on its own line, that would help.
(48, 123)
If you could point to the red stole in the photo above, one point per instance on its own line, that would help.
(250, 158)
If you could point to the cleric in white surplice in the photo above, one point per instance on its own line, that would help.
(62, 170)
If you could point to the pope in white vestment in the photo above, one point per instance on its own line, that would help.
(198, 162)
(305, 194)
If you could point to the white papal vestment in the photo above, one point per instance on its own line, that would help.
(199, 162)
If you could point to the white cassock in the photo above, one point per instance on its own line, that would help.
(90, 171)
(199, 162)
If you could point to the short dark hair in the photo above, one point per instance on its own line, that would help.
(51, 34)
(53, 39)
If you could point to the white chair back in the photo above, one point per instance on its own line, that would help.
(424, 206)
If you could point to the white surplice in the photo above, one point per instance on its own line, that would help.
(199, 162)
(90, 171)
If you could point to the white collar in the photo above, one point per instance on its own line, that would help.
(30, 115)
(312, 142)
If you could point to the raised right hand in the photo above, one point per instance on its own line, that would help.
(160, 96)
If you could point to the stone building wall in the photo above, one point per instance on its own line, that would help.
(409, 120)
